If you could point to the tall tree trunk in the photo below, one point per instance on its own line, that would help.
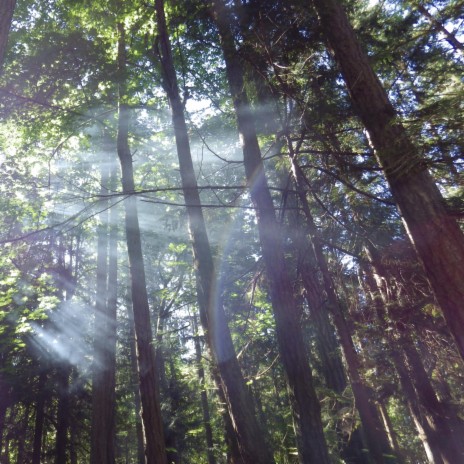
(327, 344)
(234, 453)
(136, 390)
(67, 288)
(445, 423)
(352, 448)
(425, 433)
(204, 396)
(73, 426)
(21, 438)
(63, 412)
(167, 388)
(374, 432)
(112, 306)
(39, 419)
(104, 366)
(436, 236)
(6, 16)
(155, 452)
(253, 447)
(305, 405)
(392, 436)
(5, 400)
(448, 441)
(160, 360)
(433, 431)
(5, 457)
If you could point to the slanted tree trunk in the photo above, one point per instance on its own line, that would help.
(6, 16)
(253, 448)
(234, 453)
(392, 436)
(444, 421)
(436, 236)
(305, 405)
(448, 441)
(433, 426)
(327, 344)
(374, 432)
(155, 452)
(352, 448)
(425, 432)
(436, 24)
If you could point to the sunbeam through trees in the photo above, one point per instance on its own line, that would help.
(231, 232)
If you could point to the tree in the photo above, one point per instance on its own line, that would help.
(438, 425)
(451, 38)
(375, 434)
(279, 273)
(248, 432)
(305, 405)
(103, 439)
(434, 233)
(6, 10)
(204, 397)
(155, 451)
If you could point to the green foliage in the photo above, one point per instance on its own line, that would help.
(58, 102)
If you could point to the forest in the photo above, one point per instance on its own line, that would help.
(231, 232)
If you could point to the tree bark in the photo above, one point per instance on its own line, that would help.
(305, 405)
(104, 366)
(374, 432)
(6, 16)
(39, 419)
(436, 236)
(63, 411)
(327, 344)
(203, 395)
(253, 448)
(168, 388)
(234, 454)
(425, 433)
(392, 436)
(73, 425)
(351, 446)
(136, 390)
(433, 425)
(5, 400)
(155, 452)
(449, 440)
(112, 306)
(21, 438)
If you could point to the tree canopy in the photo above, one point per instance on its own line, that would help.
(231, 231)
